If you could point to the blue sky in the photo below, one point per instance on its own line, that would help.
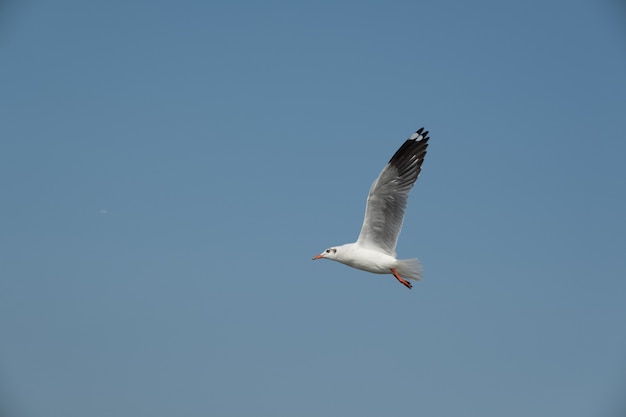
(169, 169)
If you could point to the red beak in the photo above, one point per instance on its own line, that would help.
(320, 256)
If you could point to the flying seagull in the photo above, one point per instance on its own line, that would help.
(375, 249)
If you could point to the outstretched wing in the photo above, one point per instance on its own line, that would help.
(389, 194)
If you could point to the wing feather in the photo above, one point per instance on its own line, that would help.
(389, 194)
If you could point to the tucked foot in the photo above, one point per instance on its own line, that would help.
(402, 280)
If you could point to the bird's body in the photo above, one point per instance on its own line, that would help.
(374, 261)
(374, 251)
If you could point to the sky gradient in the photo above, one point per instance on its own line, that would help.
(169, 169)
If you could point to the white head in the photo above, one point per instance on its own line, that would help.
(330, 253)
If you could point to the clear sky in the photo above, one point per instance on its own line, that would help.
(168, 170)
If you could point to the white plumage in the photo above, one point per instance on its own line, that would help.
(375, 249)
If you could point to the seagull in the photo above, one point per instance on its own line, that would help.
(375, 249)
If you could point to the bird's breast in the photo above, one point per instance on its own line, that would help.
(369, 260)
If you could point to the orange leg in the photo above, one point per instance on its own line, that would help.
(402, 280)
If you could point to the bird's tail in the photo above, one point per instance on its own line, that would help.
(410, 268)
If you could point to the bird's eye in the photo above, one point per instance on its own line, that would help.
(327, 250)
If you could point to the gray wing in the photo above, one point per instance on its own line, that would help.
(389, 194)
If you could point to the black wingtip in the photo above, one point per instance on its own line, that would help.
(411, 154)
(419, 135)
